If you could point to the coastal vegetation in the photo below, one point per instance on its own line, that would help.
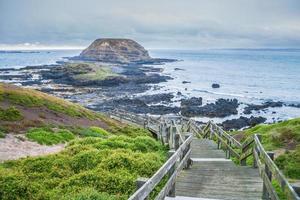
(88, 168)
(10, 114)
(102, 158)
(31, 98)
(284, 139)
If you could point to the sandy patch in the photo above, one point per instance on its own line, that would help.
(16, 146)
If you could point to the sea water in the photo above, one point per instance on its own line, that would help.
(249, 75)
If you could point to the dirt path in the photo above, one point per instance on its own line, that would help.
(12, 147)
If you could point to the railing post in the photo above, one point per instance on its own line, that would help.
(140, 182)
(258, 153)
(211, 132)
(189, 161)
(269, 176)
(168, 135)
(171, 171)
(229, 153)
(219, 142)
(177, 140)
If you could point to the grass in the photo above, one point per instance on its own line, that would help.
(32, 98)
(10, 114)
(94, 132)
(98, 73)
(2, 134)
(49, 136)
(88, 168)
(284, 136)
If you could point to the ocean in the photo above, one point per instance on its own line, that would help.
(249, 75)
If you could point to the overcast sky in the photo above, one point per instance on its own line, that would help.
(153, 23)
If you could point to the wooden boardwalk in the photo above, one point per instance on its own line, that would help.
(200, 168)
(212, 176)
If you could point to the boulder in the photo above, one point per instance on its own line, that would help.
(268, 104)
(242, 122)
(221, 108)
(215, 85)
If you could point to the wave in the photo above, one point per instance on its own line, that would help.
(221, 93)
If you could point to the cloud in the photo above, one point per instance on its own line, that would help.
(155, 23)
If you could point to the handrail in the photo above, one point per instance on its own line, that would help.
(271, 171)
(183, 151)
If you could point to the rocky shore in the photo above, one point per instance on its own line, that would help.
(112, 74)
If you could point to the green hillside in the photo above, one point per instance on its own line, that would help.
(102, 158)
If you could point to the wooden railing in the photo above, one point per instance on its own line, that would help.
(169, 131)
(181, 155)
(269, 172)
(262, 159)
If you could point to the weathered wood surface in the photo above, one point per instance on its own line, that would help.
(217, 179)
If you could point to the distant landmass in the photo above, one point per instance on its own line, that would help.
(115, 50)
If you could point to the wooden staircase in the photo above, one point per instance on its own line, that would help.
(200, 164)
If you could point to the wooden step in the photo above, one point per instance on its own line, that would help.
(212, 176)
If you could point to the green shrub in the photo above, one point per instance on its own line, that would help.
(85, 160)
(10, 114)
(289, 163)
(121, 182)
(83, 170)
(48, 136)
(91, 194)
(94, 132)
(131, 131)
(2, 134)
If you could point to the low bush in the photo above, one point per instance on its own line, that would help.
(93, 131)
(88, 168)
(10, 114)
(2, 134)
(49, 136)
(289, 163)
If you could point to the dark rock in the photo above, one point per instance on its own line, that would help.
(178, 69)
(194, 101)
(268, 104)
(50, 90)
(15, 76)
(242, 122)
(136, 106)
(293, 105)
(157, 98)
(7, 69)
(222, 108)
(179, 94)
(33, 82)
(185, 82)
(215, 85)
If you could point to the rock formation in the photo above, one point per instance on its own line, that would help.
(115, 51)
